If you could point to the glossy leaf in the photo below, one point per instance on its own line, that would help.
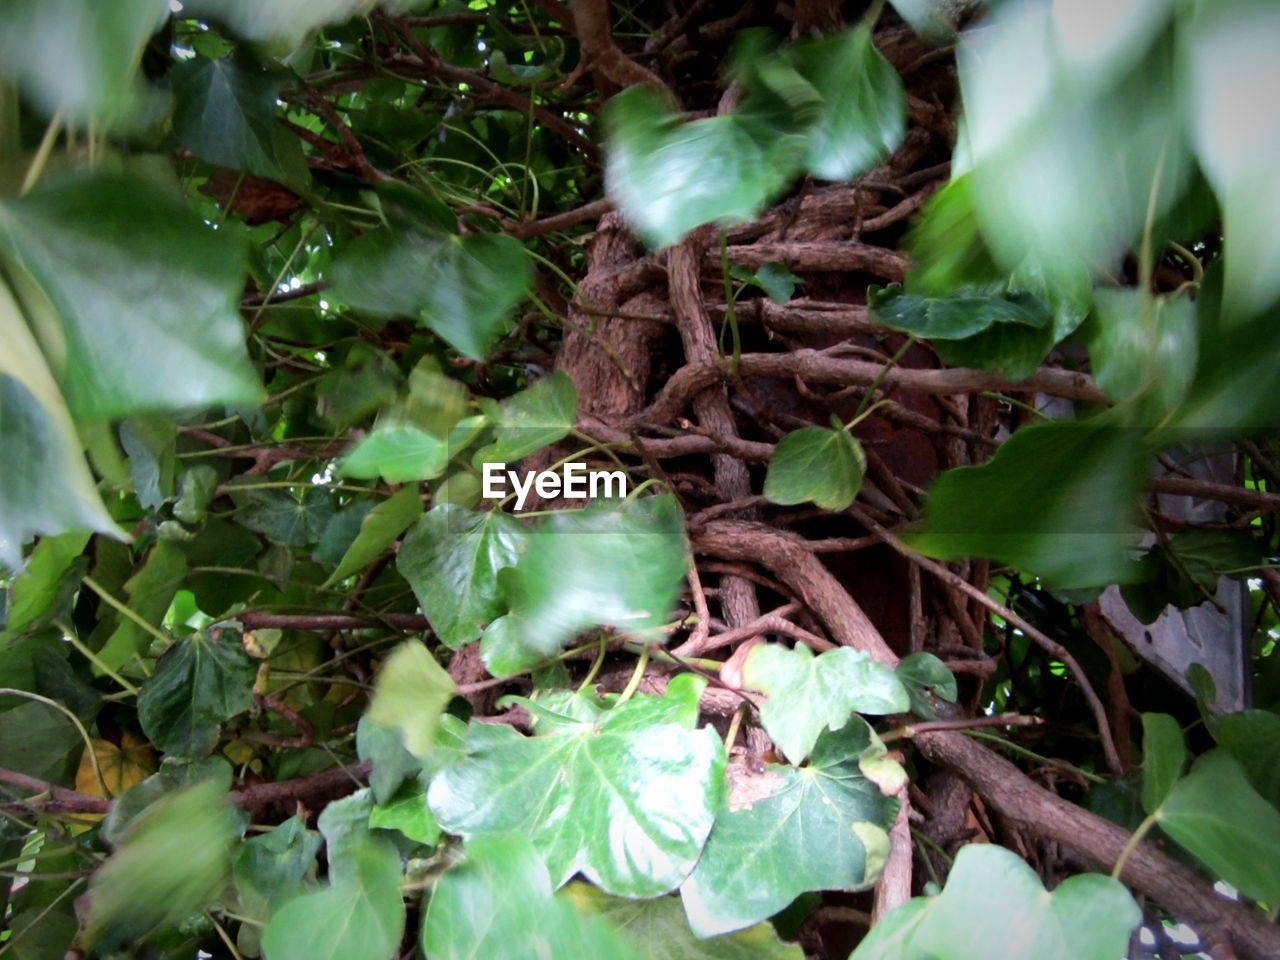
(46, 488)
(141, 329)
(1216, 816)
(816, 464)
(657, 930)
(788, 830)
(1163, 756)
(398, 453)
(925, 676)
(359, 915)
(392, 763)
(378, 529)
(669, 177)
(173, 862)
(201, 680)
(627, 801)
(628, 561)
(498, 904)
(407, 812)
(224, 113)
(1055, 500)
(809, 694)
(956, 317)
(463, 288)
(1019, 918)
(451, 558)
(410, 694)
(279, 516)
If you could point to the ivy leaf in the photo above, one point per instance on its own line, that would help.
(1056, 500)
(225, 113)
(360, 914)
(864, 108)
(40, 38)
(1216, 816)
(773, 278)
(398, 453)
(789, 830)
(1163, 757)
(627, 801)
(993, 884)
(924, 675)
(272, 868)
(151, 590)
(40, 741)
(1143, 345)
(816, 464)
(410, 694)
(659, 168)
(498, 904)
(534, 418)
(656, 930)
(280, 517)
(141, 329)
(200, 681)
(378, 528)
(392, 763)
(46, 486)
(172, 862)
(451, 559)
(43, 584)
(808, 694)
(407, 812)
(1253, 738)
(463, 288)
(628, 561)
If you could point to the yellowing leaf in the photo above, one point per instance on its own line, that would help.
(121, 766)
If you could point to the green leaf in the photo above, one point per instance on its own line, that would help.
(1163, 757)
(1216, 816)
(773, 278)
(532, 419)
(281, 517)
(925, 676)
(407, 812)
(201, 680)
(1143, 346)
(364, 383)
(151, 590)
(658, 167)
(378, 528)
(399, 453)
(225, 112)
(361, 914)
(1253, 738)
(283, 23)
(498, 904)
(43, 584)
(40, 40)
(816, 464)
(956, 317)
(173, 862)
(808, 694)
(1227, 62)
(1056, 500)
(451, 558)
(627, 559)
(627, 801)
(392, 763)
(196, 491)
(864, 108)
(141, 329)
(463, 288)
(40, 741)
(788, 830)
(994, 905)
(657, 930)
(46, 486)
(272, 868)
(410, 694)
(150, 442)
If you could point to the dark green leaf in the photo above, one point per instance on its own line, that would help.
(1056, 500)
(201, 680)
(364, 384)
(627, 801)
(379, 527)
(1253, 738)
(143, 329)
(808, 694)
(816, 464)
(925, 676)
(271, 868)
(150, 592)
(149, 440)
(392, 763)
(40, 741)
(1086, 917)
(451, 558)
(463, 288)
(788, 830)
(196, 490)
(774, 279)
(225, 111)
(1215, 815)
(1163, 757)
(955, 317)
(282, 518)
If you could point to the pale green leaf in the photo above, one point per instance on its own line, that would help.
(816, 464)
(410, 694)
(532, 419)
(407, 812)
(398, 453)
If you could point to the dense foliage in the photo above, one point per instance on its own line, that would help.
(934, 342)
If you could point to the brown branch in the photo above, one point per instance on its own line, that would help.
(408, 622)
(1222, 492)
(818, 257)
(57, 799)
(561, 221)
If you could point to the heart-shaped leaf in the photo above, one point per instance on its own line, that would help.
(398, 453)
(816, 464)
(225, 113)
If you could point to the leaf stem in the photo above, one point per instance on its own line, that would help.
(125, 612)
(69, 635)
(636, 676)
(1132, 843)
(42, 153)
(84, 734)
